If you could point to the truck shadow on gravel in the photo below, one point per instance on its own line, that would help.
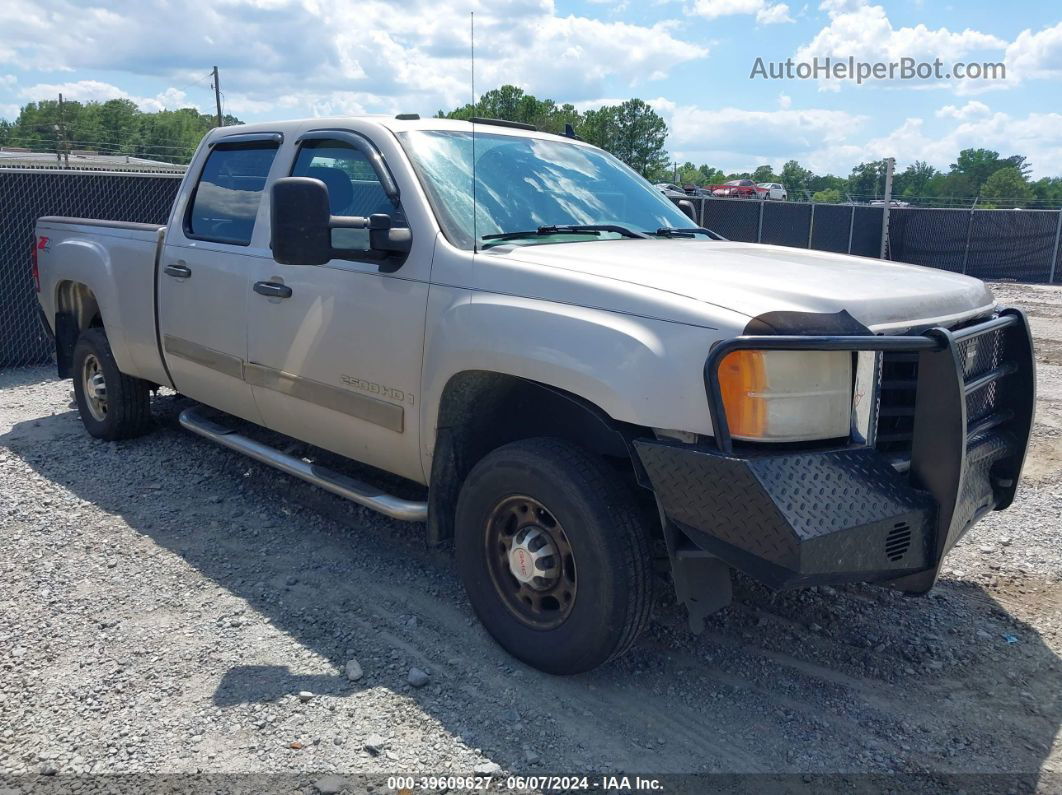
(848, 680)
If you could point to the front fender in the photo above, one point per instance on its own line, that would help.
(637, 370)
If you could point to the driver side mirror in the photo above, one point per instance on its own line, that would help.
(687, 207)
(301, 224)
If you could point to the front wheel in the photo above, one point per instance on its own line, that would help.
(112, 405)
(553, 555)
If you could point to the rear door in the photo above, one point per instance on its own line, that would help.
(204, 283)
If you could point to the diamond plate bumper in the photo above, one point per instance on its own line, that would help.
(843, 515)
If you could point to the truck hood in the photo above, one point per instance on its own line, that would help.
(753, 279)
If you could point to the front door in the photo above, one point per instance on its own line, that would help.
(203, 277)
(335, 358)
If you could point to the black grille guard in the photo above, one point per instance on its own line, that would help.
(945, 444)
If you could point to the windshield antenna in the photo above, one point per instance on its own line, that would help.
(472, 51)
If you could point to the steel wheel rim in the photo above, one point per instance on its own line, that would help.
(531, 562)
(94, 387)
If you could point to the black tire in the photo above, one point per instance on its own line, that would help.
(125, 411)
(612, 579)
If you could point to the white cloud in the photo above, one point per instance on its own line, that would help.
(710, 9)
(773, 14)
(832, 141)
(735, 138)
(970, 110)
(96, 91)
(1038, 136)
(376, 54)
(863, 31)
(9, 112)
(1035, 55)
(767, 13)
(8, 81)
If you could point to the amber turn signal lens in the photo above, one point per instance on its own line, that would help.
(743, 381)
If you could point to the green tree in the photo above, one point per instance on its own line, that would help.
(819, 182)
(711, 176)
(952, 189)
(912, 181)
(688, 174)
(977, 165)
(1007, 187)
(115, 127)
(795, 177)
(764, 174)
(511, 103)
(632, 131)
(1048, 191)
(640, 137)
(828, 196)
(867, 180)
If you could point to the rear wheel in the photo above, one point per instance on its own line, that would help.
(553, 555)
(112, 405)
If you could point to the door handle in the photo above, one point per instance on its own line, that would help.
(178, 270)
(272, 289)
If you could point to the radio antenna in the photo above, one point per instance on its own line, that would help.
(472, 51)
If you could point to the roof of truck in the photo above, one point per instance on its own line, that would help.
(388, 122)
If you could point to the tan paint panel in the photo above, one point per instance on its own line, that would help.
(200, 354)
(370, 409)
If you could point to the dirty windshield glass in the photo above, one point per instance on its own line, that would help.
(524, 184)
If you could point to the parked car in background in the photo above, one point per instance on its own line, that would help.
(892, 203)
(671, 190)
(775, 191)
(696, 191)
(738, 189)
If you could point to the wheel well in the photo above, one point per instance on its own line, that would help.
(76, 309)
(481, 411)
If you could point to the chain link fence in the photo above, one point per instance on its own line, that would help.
(27, 194)
(1022, 245)
(991, 244)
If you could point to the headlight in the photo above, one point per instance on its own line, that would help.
(787, 396)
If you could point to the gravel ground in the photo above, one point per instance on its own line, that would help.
(169, 606)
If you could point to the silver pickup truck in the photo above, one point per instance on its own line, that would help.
(586, 382)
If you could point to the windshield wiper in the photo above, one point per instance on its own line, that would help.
(667, 231)
(568, 229)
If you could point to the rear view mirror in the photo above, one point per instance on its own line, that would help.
(299, 222)
(383, 238)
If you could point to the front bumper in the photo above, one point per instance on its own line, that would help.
(849, 513)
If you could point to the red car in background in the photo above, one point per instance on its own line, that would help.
(739, 189)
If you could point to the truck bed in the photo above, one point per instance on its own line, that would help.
(92, 267)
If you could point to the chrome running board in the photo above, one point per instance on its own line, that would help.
(327, 479)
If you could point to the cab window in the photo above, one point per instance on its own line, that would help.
(229, 192)
(353, 188)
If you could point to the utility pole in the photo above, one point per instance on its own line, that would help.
(61, 149)
(890, 164)
(217, 96)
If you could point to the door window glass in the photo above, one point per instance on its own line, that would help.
(229, 191)
(353, 188)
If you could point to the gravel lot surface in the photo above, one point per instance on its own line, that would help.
(169, 606)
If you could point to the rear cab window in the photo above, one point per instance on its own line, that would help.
(229, 192)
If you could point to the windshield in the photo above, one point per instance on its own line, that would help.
(525, 184)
